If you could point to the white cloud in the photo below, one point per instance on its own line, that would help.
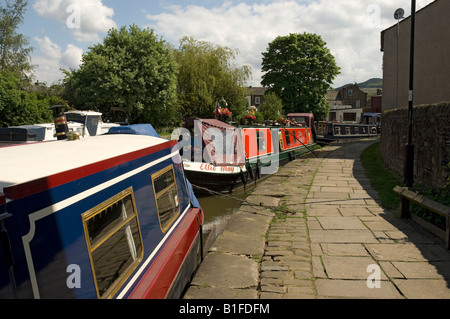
(49, 50)
(84, 18)
(71, 58)
(52, 58)
(350, 28)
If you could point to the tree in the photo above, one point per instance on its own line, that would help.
(300, 70)
(14, 53)
(19, 106)
(272, 108)
(206, 75)
(130, 77)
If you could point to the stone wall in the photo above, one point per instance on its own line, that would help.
(431, 138)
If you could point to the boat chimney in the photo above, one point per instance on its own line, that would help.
(60, 122)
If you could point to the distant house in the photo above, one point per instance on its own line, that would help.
(432, 65)
(346, 103)
(354, 96)
(256, 96)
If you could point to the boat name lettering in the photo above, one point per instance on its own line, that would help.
(207, 167)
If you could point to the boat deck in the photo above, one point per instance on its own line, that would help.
(25, 163)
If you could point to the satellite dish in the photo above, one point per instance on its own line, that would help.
(399, 14)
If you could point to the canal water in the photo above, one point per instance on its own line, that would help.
(218, 209)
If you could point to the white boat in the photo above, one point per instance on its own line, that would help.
(86, 123)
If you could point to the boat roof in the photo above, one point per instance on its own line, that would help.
(371, 114)
(213, 123)
(138, 129)
(33, 162)
(83, 113)
(301, 114)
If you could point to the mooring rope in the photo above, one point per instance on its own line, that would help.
(310, 150)
(225, 195)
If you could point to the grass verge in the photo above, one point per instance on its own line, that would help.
(381, 178)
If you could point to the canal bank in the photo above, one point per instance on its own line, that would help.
(315, 230)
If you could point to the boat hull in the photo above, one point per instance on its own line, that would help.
(329, 131)
(52, 216)
(207, 177)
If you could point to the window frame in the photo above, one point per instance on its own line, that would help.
(118, 283)
(261, 135)
(287, 137)
(153, 177)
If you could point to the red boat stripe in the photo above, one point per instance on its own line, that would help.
(29, 188)
(158, 279)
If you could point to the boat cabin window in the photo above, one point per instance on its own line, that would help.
(261, 140)
(114, 242)
(223, 141)
(166, 194)
(298, 137)
(300, 120)
(287, 136)
(347, 130)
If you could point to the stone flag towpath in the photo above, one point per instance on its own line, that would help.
(321, 233)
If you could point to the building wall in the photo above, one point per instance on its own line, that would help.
(431, 138)
(376, 104)
(345, 114)
(357, 98)
(432, 64)
(256, 97)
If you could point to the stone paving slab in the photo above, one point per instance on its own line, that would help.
(344, 250)
(356, 289)
(342, 236)
(198, 292)
(423, 289)
(236, 272)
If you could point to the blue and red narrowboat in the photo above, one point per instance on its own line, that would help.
(105, 217)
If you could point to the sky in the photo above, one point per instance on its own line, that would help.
(60, 31)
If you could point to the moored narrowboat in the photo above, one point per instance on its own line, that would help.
(84, 123)
(105, 217)
(370, 126)
(213, 155)
(267, 148)
(220, 157)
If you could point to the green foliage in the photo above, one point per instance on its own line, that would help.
(130, 77)
(206, 75)
(272, 108)
(22, 106)
(382, 179)
(14, 53)
(440, 195)
(300, 69)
